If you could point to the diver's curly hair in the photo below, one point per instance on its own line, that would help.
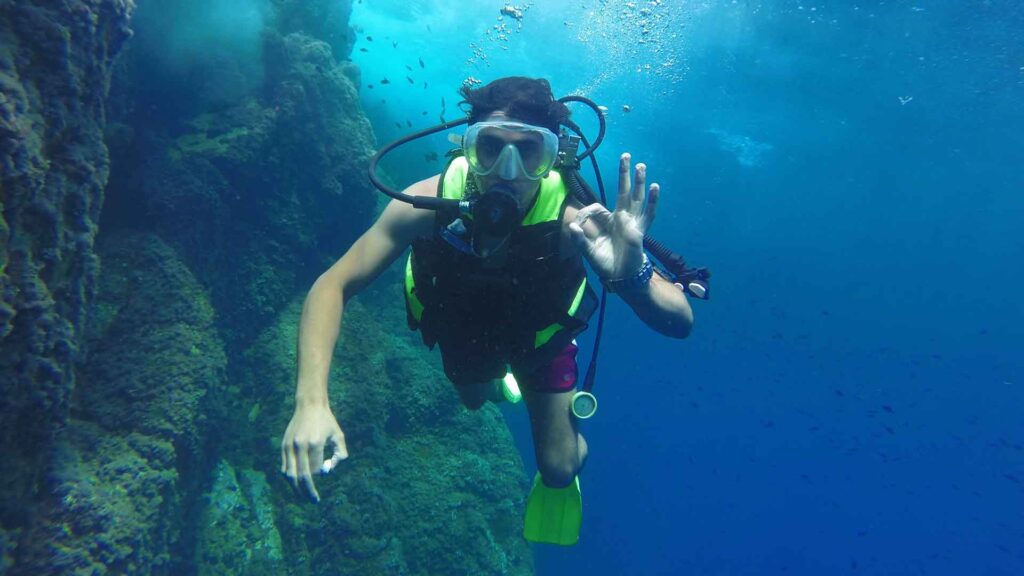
(526, 99)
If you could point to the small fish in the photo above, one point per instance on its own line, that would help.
(385, 81)
(887, 408)
(394, 44)
(428, 28)
(363, 50)
(411, 81)
(424, 84)
(369, 38)
(398, 124)
(383, 101)
(409, 68)
(408, 123)
(430, 156)
(370, 86)
(422, 65)
(424, 113)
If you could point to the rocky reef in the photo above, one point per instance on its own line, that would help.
(166, 202)
(429, 488)
(116, 494)
(55, 68)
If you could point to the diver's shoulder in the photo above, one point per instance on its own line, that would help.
(415, 222)
(425, 187)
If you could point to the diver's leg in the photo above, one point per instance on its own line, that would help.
(473, 370)
(474, 396)
(559, 447)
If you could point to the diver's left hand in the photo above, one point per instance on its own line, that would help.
(614, 244)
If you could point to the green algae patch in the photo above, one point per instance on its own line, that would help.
(238, 534)
(233, 137)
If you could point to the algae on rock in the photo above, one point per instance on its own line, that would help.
(127, 469)
(429, 487)
(237, 532)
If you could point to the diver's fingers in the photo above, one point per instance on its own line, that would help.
(306, 478)
(651, 208)
(284, 458)
(586, 245)
(596, 212)
(316, 458)
(338, 441)
(636, 198)
(290, 464)
(622, 201)
(340, 453)
(331, 463)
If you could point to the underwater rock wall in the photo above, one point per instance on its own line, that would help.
(118, 490)
(266, 180)
(237, 174)
(429, 487)
(55, 66)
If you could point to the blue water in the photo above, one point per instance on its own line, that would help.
(850, 399)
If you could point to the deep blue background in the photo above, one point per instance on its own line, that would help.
(850, 400)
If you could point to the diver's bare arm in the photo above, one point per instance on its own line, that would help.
(365, 260)
(662, 306)
(322, 310)
(318, 333)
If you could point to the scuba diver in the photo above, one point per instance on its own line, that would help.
(496, 279)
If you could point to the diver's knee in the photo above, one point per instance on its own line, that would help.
(558, 468)
(473, 402)
(471, 396)
(557, 474)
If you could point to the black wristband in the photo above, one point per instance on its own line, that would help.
(635, 282)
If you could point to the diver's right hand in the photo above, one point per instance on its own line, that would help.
(302, 450)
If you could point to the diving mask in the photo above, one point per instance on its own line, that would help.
(510, 150)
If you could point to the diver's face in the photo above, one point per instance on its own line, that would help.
(524, 189)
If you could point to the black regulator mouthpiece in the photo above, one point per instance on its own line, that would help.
(496, 213)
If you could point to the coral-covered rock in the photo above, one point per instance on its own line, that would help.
(153, 350)
(237, 176)
(55, 62)
(113, 506)
(325, 20)
(429, 488)
(237, 531)
(271, 186)
(128, 468)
